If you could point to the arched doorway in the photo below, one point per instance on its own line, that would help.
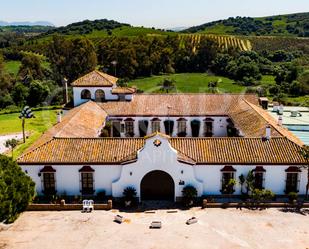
(99, 96)
(157, 185)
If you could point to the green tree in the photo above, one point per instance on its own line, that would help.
(16, 190)
(71, 58)
(31, 67)
(6, 84)
(250, 181)
(20, 93)
(11, 143)
(38, 93)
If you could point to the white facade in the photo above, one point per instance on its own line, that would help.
(113, 179)
(109, 96)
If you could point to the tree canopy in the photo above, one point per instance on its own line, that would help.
(16, 190)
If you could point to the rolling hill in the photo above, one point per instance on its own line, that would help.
(296, 25)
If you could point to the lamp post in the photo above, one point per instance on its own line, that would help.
(114, 63)
(26, 113)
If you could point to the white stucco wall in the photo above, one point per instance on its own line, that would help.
(77, 94)
(68, 177)
(115, 178)
(275, 177)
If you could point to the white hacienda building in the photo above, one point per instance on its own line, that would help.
(161, 143)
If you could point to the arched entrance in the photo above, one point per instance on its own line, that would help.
(157, 185)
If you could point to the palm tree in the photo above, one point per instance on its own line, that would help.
(168, 84)
(25, 114)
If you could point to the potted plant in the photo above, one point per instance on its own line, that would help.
(189, 194)
(293, 196)
(129, 194)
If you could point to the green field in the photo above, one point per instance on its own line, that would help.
(12, 67)
(10, 123)
(187, 83)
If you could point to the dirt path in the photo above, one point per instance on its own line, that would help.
(216, 228)
(17, 136)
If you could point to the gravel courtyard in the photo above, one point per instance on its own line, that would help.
(216, 228)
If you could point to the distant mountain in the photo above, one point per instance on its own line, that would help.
(280, 25)
(38, 23)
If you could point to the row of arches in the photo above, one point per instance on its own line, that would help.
(99, 95)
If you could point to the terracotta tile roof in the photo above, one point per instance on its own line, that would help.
(191, 150)
(123, 90)
(176, 104)
(249, 121)
(83, 121)
(96, 78)
(83, 150)
(274, 124)
(239, 150)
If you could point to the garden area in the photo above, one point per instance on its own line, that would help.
(11, 124)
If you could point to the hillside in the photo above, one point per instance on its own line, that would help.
(282, 25)
(102, 28)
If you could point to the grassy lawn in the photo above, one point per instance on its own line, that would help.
(12, 67)
(187, 83)
(10, 123)
(268, 80)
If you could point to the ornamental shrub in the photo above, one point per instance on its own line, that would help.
(189, 194)
(16, 190)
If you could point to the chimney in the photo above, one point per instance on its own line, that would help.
(59, 117)
(268, 132)
(280, 121)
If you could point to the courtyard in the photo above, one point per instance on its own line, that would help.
(216, 228)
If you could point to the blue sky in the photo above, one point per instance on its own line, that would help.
(157, 13)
